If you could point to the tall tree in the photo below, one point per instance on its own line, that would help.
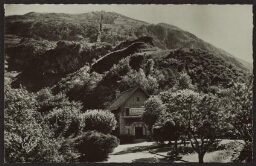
(206, 124)
(203, 115)
(154, 109)
(240, 115)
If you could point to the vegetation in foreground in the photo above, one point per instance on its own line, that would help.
(41, 127)
(202, 119)
(56, 87)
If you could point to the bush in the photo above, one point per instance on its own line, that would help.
(65, 122)
(26, 137)
(47, 101)
(100, 120)
(95, 146)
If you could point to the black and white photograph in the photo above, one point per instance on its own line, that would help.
(128, 83)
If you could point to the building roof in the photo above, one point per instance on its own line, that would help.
(122, 98)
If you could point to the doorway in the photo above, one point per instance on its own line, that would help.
(138, 132)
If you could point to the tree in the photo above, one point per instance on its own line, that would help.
(139, 77)
(203, 117)
(240, 116)
(241, 100)
(149, 67)
(180, 100)
(206, 124)
(184, 81)
(154, 109)
(170, 127)
(100, 120)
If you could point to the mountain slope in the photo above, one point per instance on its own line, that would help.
(155, 71)
(116, 28)
(48, 48)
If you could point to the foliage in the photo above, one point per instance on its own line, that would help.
(73, 83)
(205, 69)
(27, 137)
(65, 122)
(134, 78)
(239, 111)
(62, 115)
(47, 101)
(206, 123)
(22, 55)
(100, 120)
(242, 102)
(201, 115)
(200, 98)
(153, 110)
(95, 146)
(172, 127)
(180, 100)
(50, 136)
(245, 155)
(184, 81)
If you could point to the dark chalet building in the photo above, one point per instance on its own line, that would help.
(128, 108)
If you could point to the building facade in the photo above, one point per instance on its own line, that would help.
(128, 108)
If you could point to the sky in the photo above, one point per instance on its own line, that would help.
(228, 27)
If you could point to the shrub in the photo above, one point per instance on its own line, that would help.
(65, 122)
(95, 146)
(26, 137)
(100, 120)
(47, 101)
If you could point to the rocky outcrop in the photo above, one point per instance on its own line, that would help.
(47, 68)
(21, 56)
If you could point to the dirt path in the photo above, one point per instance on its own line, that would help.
(139, 152)
(122, 154)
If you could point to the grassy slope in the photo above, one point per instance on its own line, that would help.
(116, 28)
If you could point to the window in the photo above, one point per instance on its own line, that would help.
(138, 99)
(127, 111)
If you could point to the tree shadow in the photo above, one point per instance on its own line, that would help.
(166, 148)
(152, 160)
(139, 149)
(166, 159)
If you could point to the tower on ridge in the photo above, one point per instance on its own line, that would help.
(100, 28)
